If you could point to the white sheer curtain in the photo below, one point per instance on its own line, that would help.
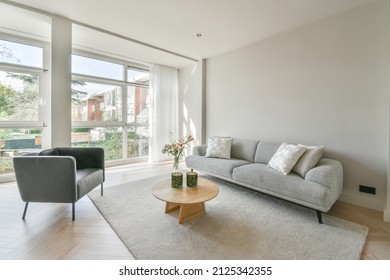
(164, 113)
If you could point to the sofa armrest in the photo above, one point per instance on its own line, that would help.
(328, 172)
(199, 150)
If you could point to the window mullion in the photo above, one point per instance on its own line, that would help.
(124, 116)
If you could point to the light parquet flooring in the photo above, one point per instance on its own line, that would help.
(377, 245)
(48, 233)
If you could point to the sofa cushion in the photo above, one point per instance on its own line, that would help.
(219, 147)
(292, 187)
(308, 160)
(265, 151)
(216, 166)
(286, 157)
(244, 149)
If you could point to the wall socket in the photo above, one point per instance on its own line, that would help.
(367, 189)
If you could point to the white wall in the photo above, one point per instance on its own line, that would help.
(325, 83)
(386, 212)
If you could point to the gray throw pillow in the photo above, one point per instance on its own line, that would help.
(308, 160)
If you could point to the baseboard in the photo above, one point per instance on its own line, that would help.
(369, 201)
(6, 178)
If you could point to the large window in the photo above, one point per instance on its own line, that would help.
(21, 72)
(108, 138)
(21, 54)
(96, 102)
(110, 107)
(96, 68)
(138, 121)
(19, 96)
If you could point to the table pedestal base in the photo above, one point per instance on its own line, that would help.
(187, 211)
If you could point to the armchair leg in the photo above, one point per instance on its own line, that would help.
(25, 210)
(73, 210)
(101, 189)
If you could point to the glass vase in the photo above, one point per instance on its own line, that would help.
(176, 161)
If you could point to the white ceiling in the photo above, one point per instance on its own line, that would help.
(172, 25)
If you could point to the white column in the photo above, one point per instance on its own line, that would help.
(61, 80)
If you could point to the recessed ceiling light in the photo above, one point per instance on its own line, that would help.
(199, 35)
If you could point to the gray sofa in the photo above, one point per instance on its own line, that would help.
(319, 189)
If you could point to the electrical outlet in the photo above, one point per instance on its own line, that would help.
(367, 189)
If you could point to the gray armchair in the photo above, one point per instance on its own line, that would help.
(61, 175)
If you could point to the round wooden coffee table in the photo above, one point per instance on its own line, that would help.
(191, 201)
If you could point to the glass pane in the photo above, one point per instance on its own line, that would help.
(97, 68)
(138, 76)
(96, 102)
(137, 141)
(16, 53)
(19, 97)
(16, 142)
(108, 138)
(138, 105)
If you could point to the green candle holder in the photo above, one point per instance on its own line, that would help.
(192, 179)
(177, 180)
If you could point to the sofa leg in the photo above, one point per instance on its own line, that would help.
(25, 210)
(101, 189)
(319, 216)
(73, 211)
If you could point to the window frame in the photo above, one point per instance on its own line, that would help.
(42, 73)
(43, 89)
(124, 88)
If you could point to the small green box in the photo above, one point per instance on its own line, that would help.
(177, 180)
(192, 179)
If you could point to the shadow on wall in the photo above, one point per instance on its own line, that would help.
(362, 173)
(191, 106)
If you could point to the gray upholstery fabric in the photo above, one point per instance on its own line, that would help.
(87, 178)
(199, 150)
(221, 167)
(328, 172)
(85, 157)
(265, 151)
(292, 187)
(46, 178)
(60, 174)
(244, 149)
(50, 152)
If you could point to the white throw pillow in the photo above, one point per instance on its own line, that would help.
(219, 147)
(308, 160)
(286, 157)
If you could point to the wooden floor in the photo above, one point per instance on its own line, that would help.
(48, 233)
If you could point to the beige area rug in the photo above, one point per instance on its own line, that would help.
(239, 224)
